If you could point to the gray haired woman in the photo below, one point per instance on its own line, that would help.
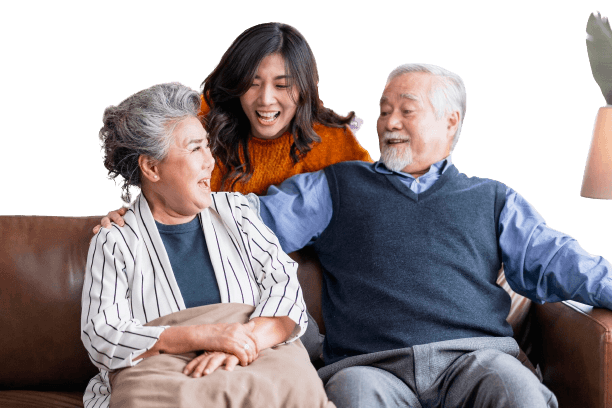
(181, 247)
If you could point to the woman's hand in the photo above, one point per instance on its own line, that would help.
(271, 331)
(113, 216)
(233, 338)
(208, 362)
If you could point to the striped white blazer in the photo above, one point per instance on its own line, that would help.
(129, 282)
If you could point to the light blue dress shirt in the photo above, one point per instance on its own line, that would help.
(539, 262)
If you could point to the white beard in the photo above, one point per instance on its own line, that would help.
(394, 157)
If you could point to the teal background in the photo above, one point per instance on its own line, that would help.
(531, 96)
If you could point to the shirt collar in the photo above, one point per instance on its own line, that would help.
(437, 168)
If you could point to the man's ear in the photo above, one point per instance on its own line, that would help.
(453, 123)
(148, 168)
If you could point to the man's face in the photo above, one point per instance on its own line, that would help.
(410, 136)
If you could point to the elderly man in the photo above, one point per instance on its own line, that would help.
(410, 249)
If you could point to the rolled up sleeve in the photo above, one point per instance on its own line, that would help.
(112, 337)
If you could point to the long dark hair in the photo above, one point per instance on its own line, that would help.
(228, 125)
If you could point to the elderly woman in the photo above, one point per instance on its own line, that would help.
(181, 247)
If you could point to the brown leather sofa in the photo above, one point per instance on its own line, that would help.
(42, 261)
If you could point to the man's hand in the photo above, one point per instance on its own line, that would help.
(599, 48)
(113, 216)
(208, 362)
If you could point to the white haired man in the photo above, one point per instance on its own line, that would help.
(410, 249)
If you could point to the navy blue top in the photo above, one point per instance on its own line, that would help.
(426, 269)
(188, 254)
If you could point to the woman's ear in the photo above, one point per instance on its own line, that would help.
(148, 168)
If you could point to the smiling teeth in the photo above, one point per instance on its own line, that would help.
(267, 114)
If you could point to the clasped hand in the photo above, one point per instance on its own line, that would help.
(208, 362)
(227, 344)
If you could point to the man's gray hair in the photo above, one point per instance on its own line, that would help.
(143, 125)
(446, 95)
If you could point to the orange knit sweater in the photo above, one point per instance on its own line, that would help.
(272, 163)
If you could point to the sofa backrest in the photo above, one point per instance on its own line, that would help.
(42, 263)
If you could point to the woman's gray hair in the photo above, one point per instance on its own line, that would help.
(446, 95)
(143, 125)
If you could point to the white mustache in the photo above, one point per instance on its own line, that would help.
(395, 136)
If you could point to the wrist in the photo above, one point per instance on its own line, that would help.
(257, 339)
(158, 347)
(179, 339)
(197, 337)
(164, 341)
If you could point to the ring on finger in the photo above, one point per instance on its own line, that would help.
(246, 346)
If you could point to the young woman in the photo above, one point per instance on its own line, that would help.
(264, 116)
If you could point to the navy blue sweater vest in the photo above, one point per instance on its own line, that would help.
(402, 269)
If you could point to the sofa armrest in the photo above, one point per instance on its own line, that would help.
(576, 352)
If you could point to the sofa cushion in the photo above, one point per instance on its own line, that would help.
(37, 399)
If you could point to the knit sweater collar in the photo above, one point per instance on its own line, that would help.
(285, 138)
(447, 173)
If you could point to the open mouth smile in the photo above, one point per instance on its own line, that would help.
(267, 117)
(397, 141)
(204, 183)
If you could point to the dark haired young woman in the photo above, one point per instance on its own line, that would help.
(263, 113)
(265, 120)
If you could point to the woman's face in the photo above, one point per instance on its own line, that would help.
(181, 182)
(269, 102)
